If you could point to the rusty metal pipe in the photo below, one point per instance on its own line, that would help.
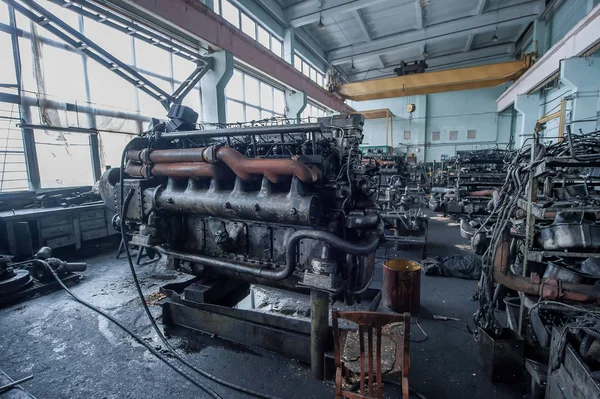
(166, 156)
(547, 288)
(242, 166)
(180, 169)
(271, 168)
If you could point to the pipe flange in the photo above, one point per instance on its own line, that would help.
(210, 154)
(144, 155)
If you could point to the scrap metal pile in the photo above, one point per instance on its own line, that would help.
(544, 244)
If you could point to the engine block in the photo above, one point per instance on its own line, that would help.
(290, 204)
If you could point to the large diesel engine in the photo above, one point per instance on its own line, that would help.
(285, 203)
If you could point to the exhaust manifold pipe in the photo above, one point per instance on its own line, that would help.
(242, 166)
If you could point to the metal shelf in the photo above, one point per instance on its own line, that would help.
(535, 255)
(562, 161)
(540, 212)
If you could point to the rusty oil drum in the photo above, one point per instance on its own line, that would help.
(401, 288)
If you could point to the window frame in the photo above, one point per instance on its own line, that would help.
(261, 105)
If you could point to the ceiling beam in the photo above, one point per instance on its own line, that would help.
(200, 22)
(419, 23)
(273, 8)
(307, 12)
(469, 43)
(434, 82)
(480, 7)
(381, 63)
(362, 24)
(509, 16)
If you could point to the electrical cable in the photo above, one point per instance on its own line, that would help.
(425, 335)
(123, 206)
(128, 331)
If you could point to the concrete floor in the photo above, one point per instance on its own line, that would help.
(75, 353)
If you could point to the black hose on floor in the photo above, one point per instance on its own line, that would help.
(123, 206)
(128, 331)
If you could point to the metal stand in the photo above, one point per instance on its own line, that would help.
(141, 252)
(319, 315)
(209, 305)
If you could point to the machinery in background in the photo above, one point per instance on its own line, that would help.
(543, 263)
(400, 197)
(409, 68)
(469, 180)
(278, 204)
(22, 280)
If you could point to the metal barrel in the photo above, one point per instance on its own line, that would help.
(401, 288)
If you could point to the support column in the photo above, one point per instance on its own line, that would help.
(33, 171)
(540, 35)
(212, 86)
(319, 324)
(528, 107)
(583, 76)
(289, 45)
(295, 102)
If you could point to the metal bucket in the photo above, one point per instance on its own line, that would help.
(401, 288)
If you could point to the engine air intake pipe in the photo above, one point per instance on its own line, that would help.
(242, 166)
(290, 261)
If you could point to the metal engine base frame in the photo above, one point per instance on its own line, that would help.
(287, 336)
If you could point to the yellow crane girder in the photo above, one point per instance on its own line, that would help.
(435, 82)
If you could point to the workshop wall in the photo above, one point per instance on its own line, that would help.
(567, 16)
(459, 112)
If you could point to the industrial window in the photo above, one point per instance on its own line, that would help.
(230, 13)
(453, 135)
(407, 135)
(471, 134)
(250, 99)
(70, 88)
(13, 168)
(264, 37)
(435, 136)
(7, 69)
(276, 46)
(249, 26)
(312, 112)
(57, 149)
(309, 71)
